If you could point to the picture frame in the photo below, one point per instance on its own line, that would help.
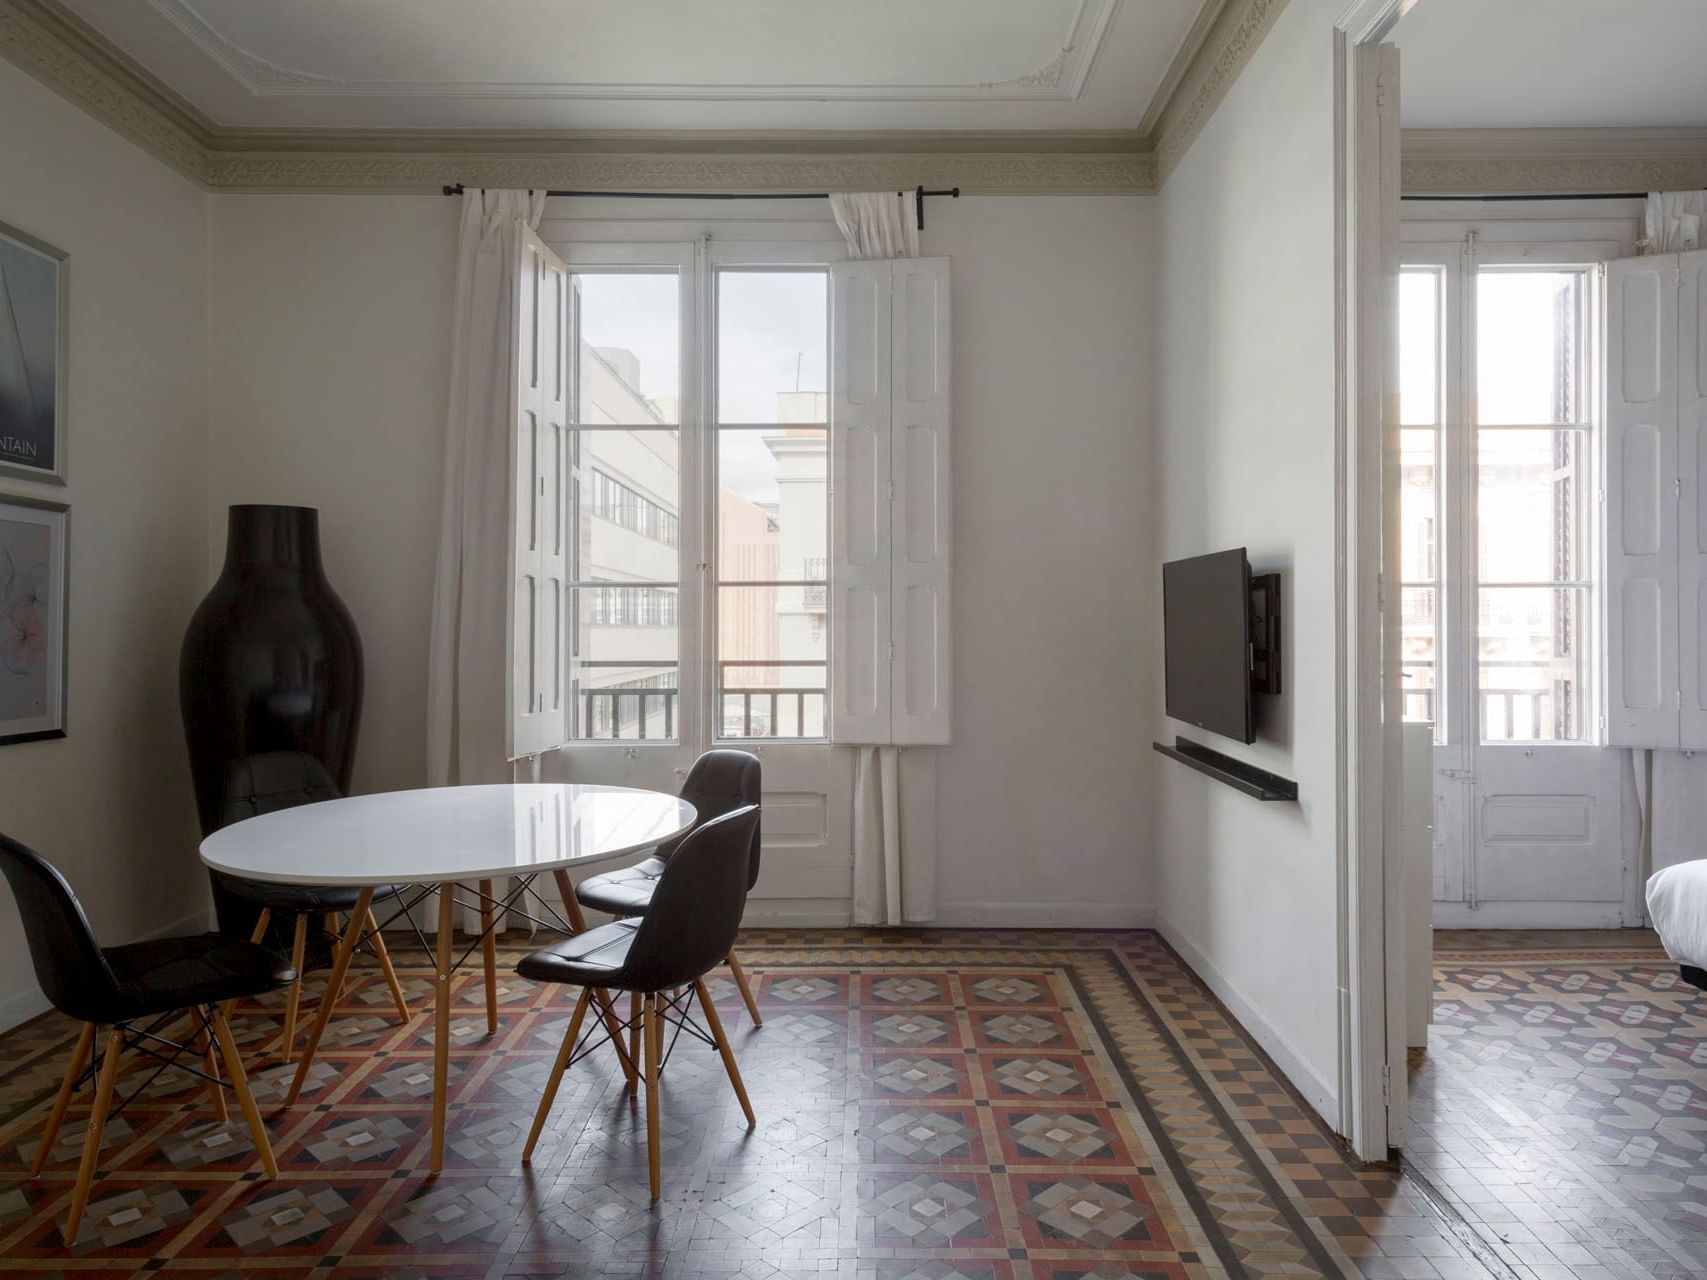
(34, 337)
(34, 577)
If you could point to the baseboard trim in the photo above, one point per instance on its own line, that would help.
(1311, 1087)
(1045, 915)
(1529, 915)
(19, 1007)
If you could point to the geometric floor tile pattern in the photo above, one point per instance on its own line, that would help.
(1561, 1107)
(991, 1105)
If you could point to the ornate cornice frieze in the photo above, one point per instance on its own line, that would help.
(1551, 161)
(1233, 37)
(60, 51)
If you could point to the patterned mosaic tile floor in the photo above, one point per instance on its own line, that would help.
(1562, 1105)
(993, 1106)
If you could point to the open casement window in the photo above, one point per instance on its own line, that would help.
(889, 543)
(1656, 513)
(540, 532)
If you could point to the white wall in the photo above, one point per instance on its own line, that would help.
(1247, 890)
(111, 803)
(327, 380)
(330, 328)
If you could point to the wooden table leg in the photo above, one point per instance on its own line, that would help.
(340, 966)
(489, 956)
(601, 997)
(441, 1030)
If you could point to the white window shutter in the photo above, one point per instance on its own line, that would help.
(919, 452)
(860, 539)
(1641, 503)
(1691, 379)
(539, 551)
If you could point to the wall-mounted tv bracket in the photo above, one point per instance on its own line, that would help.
(1265, 633)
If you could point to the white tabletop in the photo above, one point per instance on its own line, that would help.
(439, 834)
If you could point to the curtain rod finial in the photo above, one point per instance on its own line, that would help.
(453, 188)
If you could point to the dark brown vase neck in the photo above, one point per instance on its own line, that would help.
(273, 540)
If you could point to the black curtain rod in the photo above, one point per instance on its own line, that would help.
(1596, 195)
(918, 194)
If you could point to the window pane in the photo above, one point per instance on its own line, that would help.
(1532, 663)
(773, 518)
(1419, 347)
(630, 354)
(1419, 647)
(1529, 347)
(773, 346)
(772, 646)
(1531, 508)
(1419, 506)
(623, 670)
(629, 522)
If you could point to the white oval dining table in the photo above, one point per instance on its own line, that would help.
(438, 839)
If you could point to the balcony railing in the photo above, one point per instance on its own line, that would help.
(1519, 714)
(639, 714)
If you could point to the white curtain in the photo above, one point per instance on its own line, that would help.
(876, 224)
(894, 835)
(466, 734)
(1675, 222)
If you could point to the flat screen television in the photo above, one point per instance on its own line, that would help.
(1221, 641)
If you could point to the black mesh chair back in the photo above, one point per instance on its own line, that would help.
(721, 781)
(73, 973)
(696, 908)
(274, 780)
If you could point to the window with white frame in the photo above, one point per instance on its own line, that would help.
(1497, 417)
(720, 587)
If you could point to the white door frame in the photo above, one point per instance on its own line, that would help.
(1371, 960)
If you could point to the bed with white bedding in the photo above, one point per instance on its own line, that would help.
(1677, 904)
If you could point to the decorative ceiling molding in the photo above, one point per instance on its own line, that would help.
(988, 173)
(1551, 161)
(1062, 77)
(62, 52)
(1233, 37)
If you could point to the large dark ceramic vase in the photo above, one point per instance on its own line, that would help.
(271, 662)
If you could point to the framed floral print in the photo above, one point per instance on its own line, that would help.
(33, 567)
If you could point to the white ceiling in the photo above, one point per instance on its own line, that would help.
(1521, 64)
(666, 65)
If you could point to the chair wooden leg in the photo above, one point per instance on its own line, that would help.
(203, 1043)
(578, 923)
(245, 1099)
(92, 1139)
(73, 1069)
(379, 950)
(489, 956)
(341, 963)
(441, 1029)
(746, 991)
(260, 931)
(636, 1024)
(557, 1069)
(654, 1037)
(293, 997)
(716, 1025)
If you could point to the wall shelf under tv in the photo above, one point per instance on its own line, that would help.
(1235, 773)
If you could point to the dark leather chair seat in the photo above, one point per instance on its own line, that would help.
(627, 892)
(595, 958)
(174, 973)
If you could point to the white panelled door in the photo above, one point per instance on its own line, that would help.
(1500, 393)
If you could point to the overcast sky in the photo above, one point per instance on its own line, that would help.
(773, 337)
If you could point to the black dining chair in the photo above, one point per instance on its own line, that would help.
(720, 781)
(135, 991)
(690, 923)
(266, 783)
